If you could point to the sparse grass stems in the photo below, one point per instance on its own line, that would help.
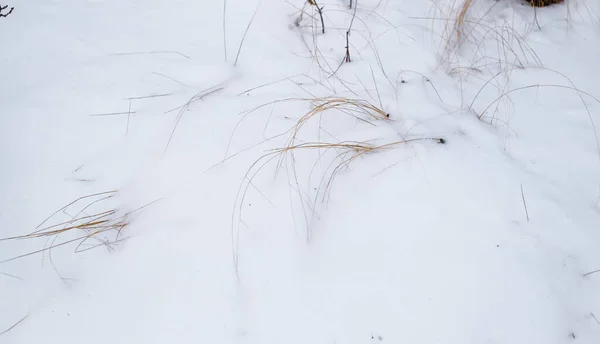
(92, 221)
(340, 153)
(477, 42)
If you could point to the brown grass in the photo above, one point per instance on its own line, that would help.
(104, 227)
(345, 153)
(460, 19)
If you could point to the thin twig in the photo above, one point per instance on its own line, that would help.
(151, 96)
(110, 194)
(347, 57)
(320, 11)
(128, 117)
(152, 52)
(172, 79)
(244, 36)
(113, 113)
(13, 276)
(524, 203)
(591, 272)
(267, 84)
(376, 88)
(3, 8)
(15, 325)
(353, 15)
(184, 108)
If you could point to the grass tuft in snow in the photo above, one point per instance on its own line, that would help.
(343, 153)
(490, 42)
(89, 225)
(93, 222)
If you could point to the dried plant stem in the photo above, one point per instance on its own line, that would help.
(320, 11)
(244, 36)
(591, 273)
(524, 203)
(15, 325)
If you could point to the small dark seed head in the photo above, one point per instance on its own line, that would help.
(442, 141)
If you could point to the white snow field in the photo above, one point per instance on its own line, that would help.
(158, 188)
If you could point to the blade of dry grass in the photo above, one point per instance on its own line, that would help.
(11, 276)
(15, 325)
(90, 225)
(237, 56)
(198, 96)
(152, 52)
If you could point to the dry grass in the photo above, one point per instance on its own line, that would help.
(460, 20)
(356, 108)
(14, 325)
(344, 153)
(86, 227)
(465, 31)
(185, 107)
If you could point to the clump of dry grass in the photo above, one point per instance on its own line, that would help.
(344, 153)
(351, 107)
(102, 227)
(465, 29)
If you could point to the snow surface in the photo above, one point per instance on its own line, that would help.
(488, 238)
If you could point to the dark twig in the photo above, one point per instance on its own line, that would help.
(2, 8)
(320, 11)
(347, 57)
(591, 272)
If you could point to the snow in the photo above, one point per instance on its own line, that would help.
(488, 237)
